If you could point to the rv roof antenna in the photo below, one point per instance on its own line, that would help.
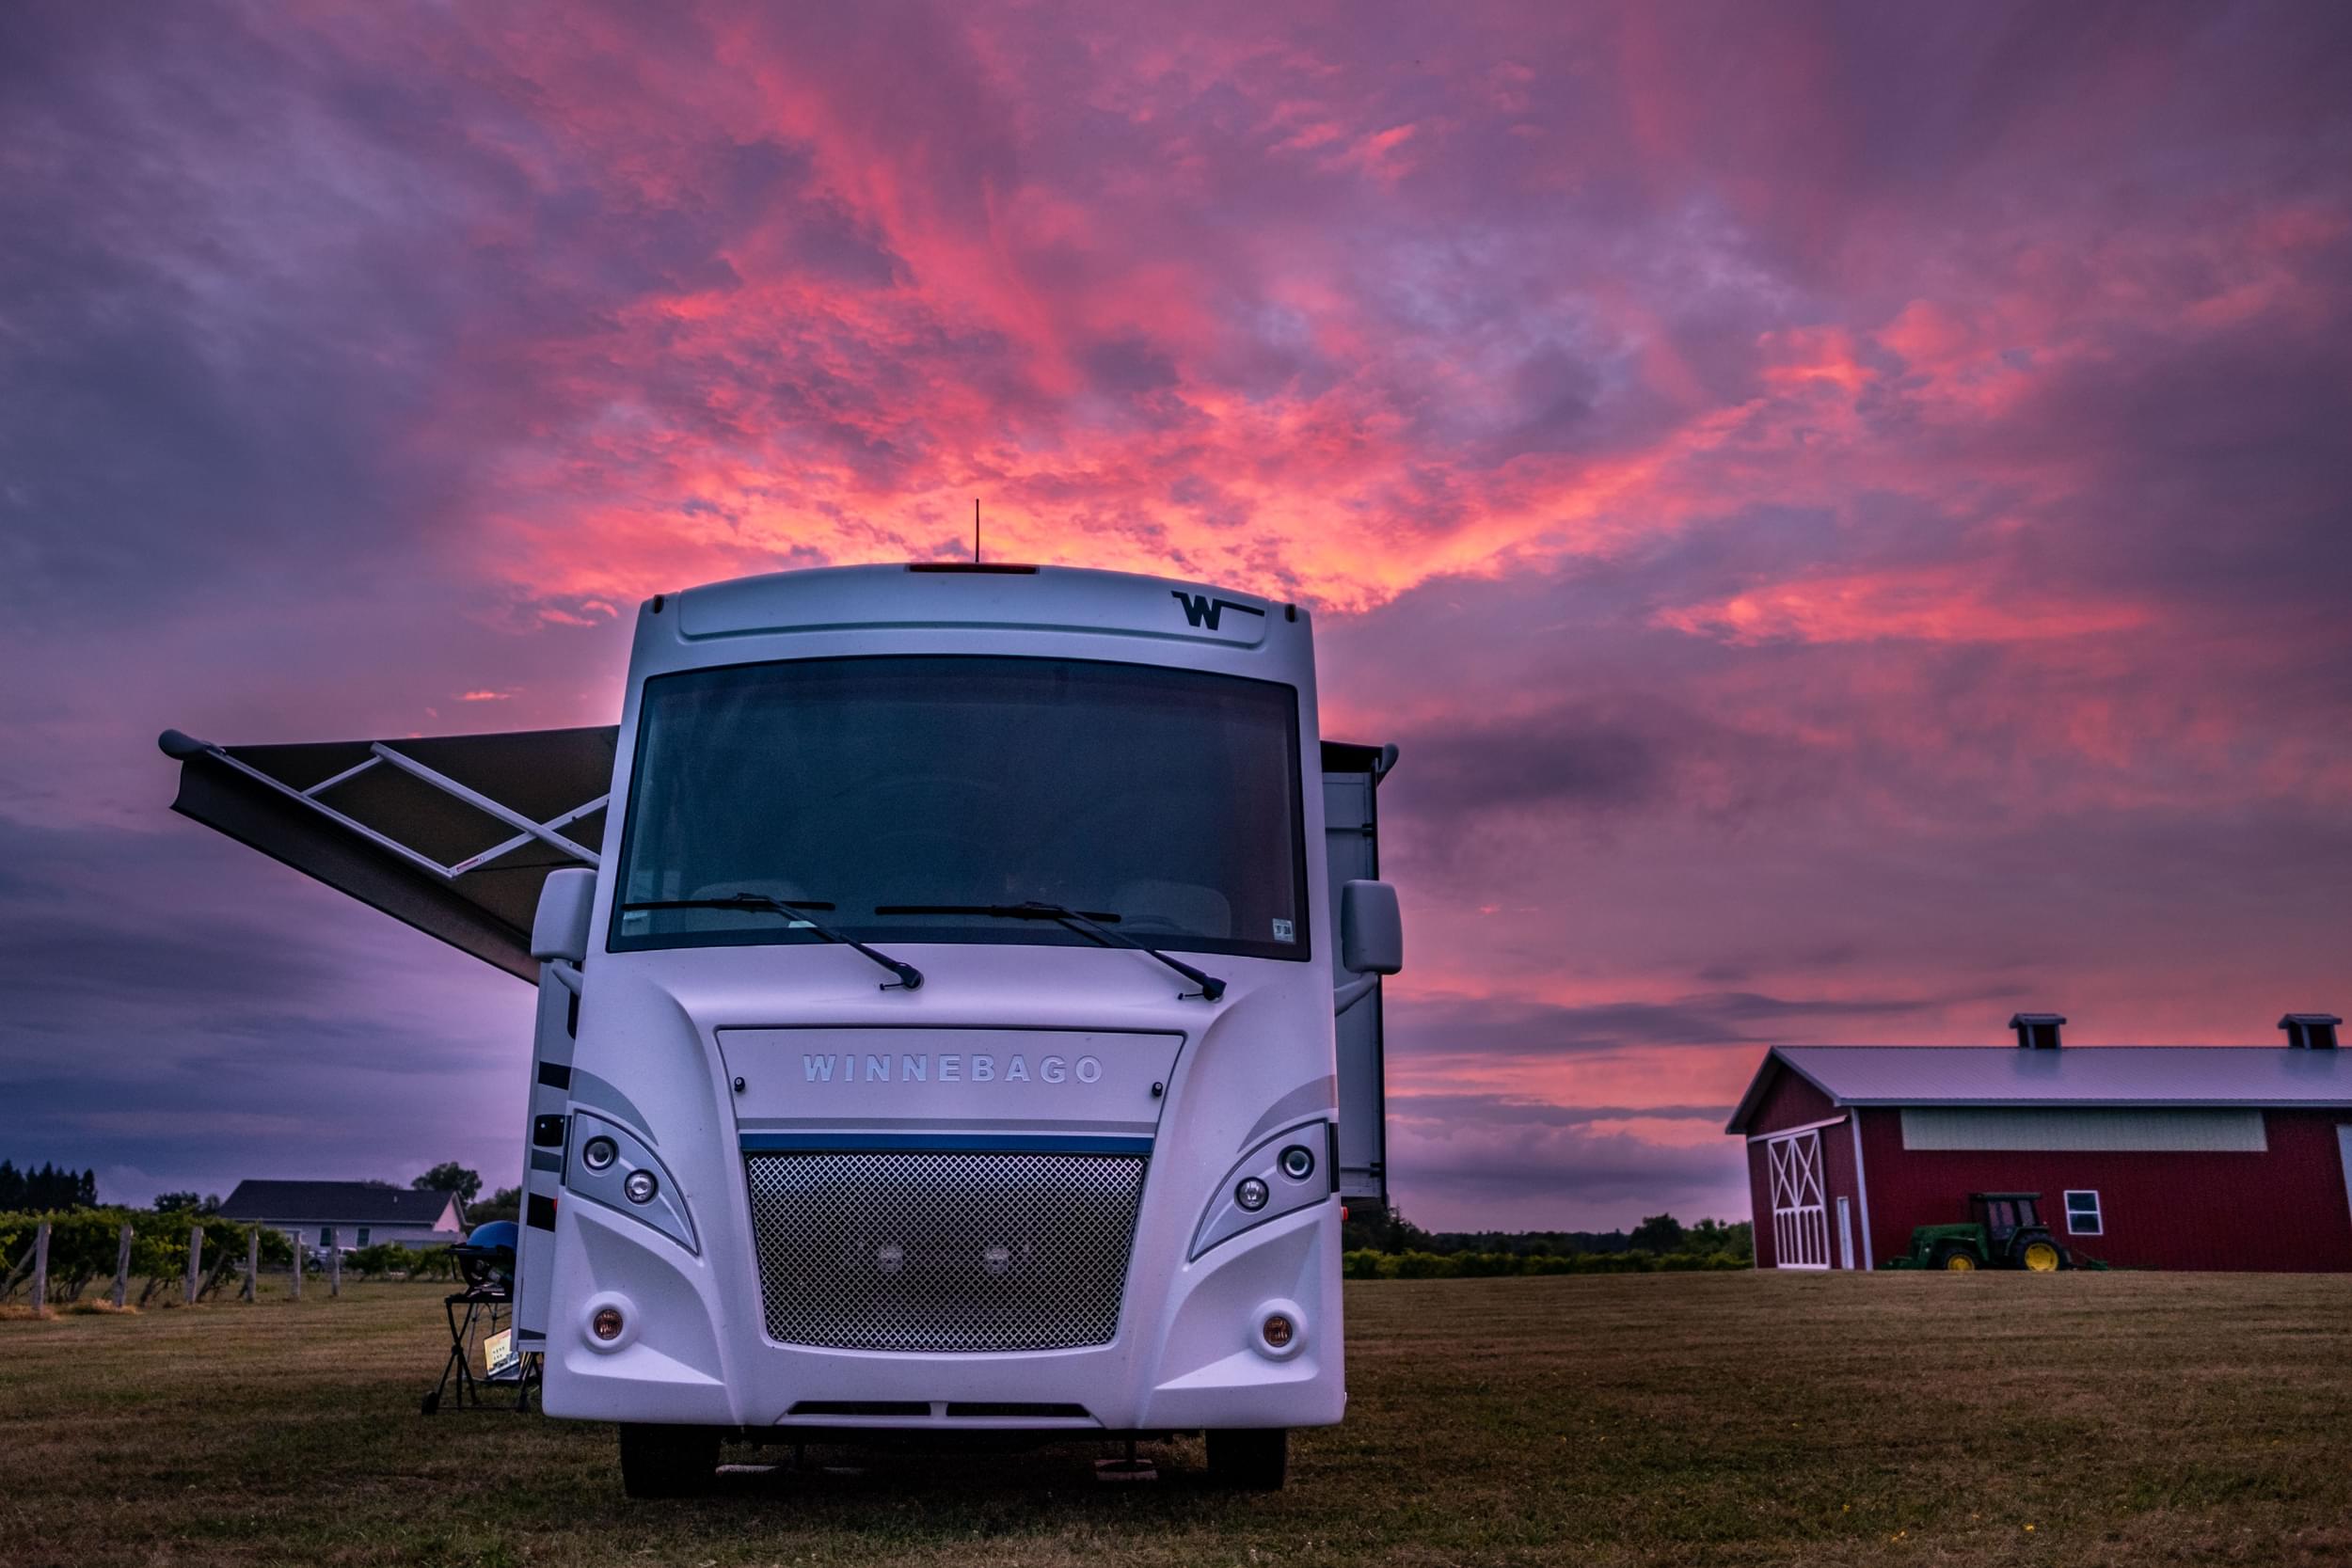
(976, 530)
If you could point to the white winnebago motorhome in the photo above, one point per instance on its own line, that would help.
(959, 1007)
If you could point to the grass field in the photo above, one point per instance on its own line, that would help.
(1672, 1418)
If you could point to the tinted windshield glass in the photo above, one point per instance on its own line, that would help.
(1167, 798)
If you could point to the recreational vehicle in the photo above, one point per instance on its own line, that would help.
(959, 1007)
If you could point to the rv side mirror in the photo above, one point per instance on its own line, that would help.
(1372, 933)
(561, 928)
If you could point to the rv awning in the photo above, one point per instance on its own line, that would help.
(452, 835)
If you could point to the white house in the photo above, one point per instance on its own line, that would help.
(348, 1214)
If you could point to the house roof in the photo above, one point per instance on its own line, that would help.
(2122, 1076)
(339, 1203)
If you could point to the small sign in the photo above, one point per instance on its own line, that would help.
(1284, 931)
(499, 1359)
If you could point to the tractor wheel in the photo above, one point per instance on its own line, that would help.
(1957, 1258)
(2042, 1256)
(668, 1460)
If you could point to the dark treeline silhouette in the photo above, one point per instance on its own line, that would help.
(187, 1203)
(46, 1188)
(451, 1177)
(1662, 1234)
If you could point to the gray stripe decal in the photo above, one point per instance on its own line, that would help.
(589, 1089)
(1306, 1100)
(540, 1160)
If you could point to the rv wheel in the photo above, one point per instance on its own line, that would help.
(1249, 1461)
(668, 1462)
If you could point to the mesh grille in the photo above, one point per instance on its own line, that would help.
(944, 1252)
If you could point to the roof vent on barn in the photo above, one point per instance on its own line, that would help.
(2036, 1031)
(2311, 1031)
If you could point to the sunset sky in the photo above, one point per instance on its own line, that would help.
(1846, 511)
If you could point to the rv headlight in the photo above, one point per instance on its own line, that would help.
(1282, 1174)
(615, 1167)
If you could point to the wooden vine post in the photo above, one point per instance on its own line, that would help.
(122, 1267)
(297, 1266)
(195, 1261)
(335, 1274)
(40, 1271)
(253, 1263)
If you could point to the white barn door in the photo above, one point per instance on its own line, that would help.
(2343, 1152)
(1800, 1215)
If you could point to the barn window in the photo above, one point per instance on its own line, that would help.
(1800, 1216)
(2082, 1214)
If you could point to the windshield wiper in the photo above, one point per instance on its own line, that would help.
(1210, 987)
(909, 977)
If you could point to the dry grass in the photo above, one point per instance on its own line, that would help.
(1691, 1418)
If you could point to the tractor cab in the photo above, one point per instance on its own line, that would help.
(2004, 1215)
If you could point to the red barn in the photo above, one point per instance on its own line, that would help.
(2171, 1157)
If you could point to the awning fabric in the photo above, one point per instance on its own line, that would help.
(435, 859)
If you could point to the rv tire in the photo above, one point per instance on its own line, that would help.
(1251, 1460)
(668, 1460)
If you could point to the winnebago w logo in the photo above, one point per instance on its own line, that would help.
(1202, 610)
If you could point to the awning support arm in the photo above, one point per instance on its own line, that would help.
(178, 745)
(544, 832)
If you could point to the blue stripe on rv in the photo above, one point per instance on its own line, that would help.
(983, 1142)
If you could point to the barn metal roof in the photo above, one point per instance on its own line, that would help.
(2137, 1075)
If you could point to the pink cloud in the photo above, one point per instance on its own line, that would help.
(1848, 522)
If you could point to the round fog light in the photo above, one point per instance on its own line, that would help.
(597, 1153)
(1297, 1163)
(1277, 1330)
(1250, 1195)
(640, 1186)
(606, 1324)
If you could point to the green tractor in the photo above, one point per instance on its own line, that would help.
(2004, 1230)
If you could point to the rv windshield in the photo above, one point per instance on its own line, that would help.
(1167, 798)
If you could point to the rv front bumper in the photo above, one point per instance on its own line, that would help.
(1249, 1335)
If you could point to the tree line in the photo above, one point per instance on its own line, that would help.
(50, 1187)
(1658, 1236)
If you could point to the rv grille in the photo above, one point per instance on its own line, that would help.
(906, 1251)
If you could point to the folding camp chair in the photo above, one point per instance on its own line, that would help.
(483, 1332)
